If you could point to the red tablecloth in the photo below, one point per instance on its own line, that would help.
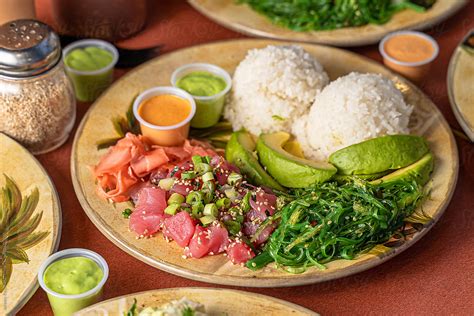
(435, 276)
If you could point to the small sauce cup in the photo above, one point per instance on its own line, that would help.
(172, 135)
(208, 108)
(88, 85)
(64, 304)
(411, 44)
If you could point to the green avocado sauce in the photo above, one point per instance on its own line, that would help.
(202, 84)
(89, 58)
(72, 276)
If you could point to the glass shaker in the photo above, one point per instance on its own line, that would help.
(37, 103)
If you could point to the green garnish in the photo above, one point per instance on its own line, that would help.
(176, 198)
(309, 15)
(278, 118)
(211, 209)
(331, 221)
(207, 219)
(188, 175)
(126, 213)
(133, 309)
(208, 176)
(171, 209)
(188, 311)
(234, 178)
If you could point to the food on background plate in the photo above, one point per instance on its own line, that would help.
(409, 53)
(209, 85)
(164, 114)
(89, 65)
(17, 226)
(273, 87)
(330, 14)
(182, 307)
(73, 279)
(334, 120)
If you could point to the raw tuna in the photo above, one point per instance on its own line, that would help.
(219, 239)
(146, 223)
(180, 228)
(151, 199)
(238, 252)
(199, 244)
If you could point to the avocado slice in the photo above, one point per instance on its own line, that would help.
(379, 154)
(240, 151)
(289, 170)
(419, 171)
(367, 177)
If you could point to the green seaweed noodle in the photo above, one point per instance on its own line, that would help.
(315, 15)
(332, 221)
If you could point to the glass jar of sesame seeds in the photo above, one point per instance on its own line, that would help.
(37, 103)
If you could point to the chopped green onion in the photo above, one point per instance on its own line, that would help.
(196, 160)
(224, 202)
(208, 219)
(176, 198)
(211, 209)
(209, 186)
(234, 178)
(188, 175)
(208, 176)
(202, 168)
(231, 194)
(233, 227)
(245, 204)
(194, 197)
(166, 184)
(126, 213)
(239, 218)
(206, 159)
(197, 209)
(171, 209)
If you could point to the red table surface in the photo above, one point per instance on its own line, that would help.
(435, 276)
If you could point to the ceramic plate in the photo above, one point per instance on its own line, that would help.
(460, 83)
(217, 302)
(217, 269)
(242, 18)
(19, 165)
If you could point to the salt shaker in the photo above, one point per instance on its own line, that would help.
(37, 103)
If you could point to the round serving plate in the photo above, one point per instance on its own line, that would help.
(460, 81)
(216, 301)
(242, 18)
(218, 269)
(17, 163)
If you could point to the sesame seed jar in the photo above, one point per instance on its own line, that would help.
(37, 103)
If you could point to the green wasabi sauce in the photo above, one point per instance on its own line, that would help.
(202, 84)
(89, 58)
(72, 276)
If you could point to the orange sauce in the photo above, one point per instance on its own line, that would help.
(409, 48)
(164, 110)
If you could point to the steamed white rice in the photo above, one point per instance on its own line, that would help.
(272, 87)
(349, 110)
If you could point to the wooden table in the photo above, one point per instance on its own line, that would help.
(435, 276)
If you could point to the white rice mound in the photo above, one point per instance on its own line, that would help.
(273, 86)
(351, 109)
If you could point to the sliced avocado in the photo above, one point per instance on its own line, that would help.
(379, 154)
(289, 170)
(294, 148)
(367, 177)
(419, 171)
(240, 151)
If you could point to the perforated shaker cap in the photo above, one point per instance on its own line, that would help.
(27, 48)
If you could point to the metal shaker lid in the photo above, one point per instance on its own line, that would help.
(27, 48)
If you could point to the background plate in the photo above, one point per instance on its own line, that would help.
(217, 302)
(27, 172)
(242, 18)
(96, 124)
